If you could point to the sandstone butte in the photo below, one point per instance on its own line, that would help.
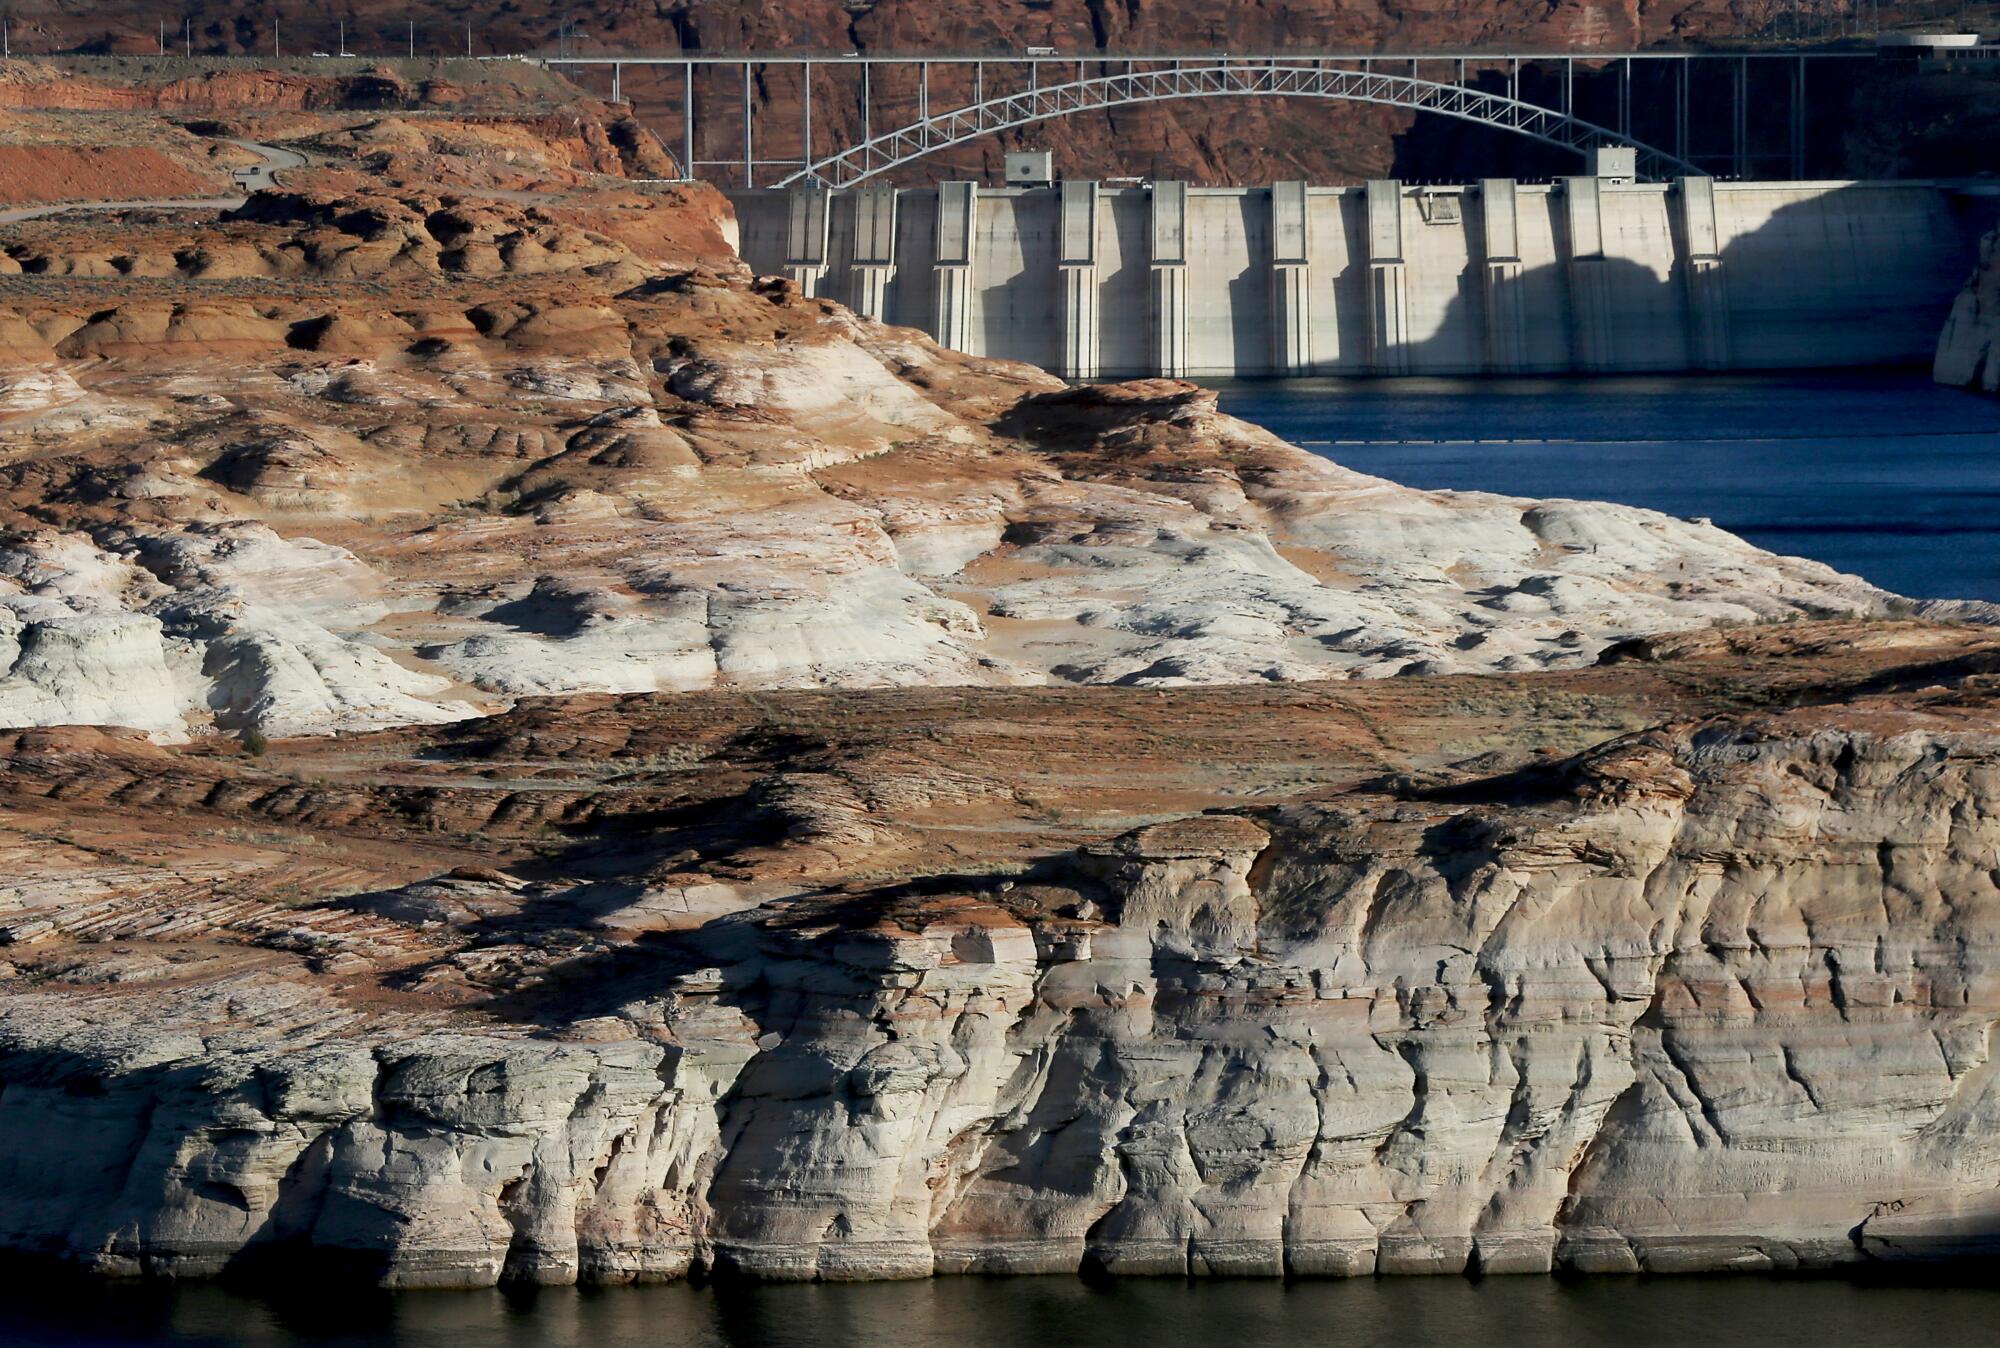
(535, 754)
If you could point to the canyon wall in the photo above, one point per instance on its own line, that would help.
(1715, 996)
(894, 25)
(536, 434)
(536, 754)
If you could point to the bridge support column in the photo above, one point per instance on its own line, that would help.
(1500, 236)
(1170, 316)
(874, 250)
(805, 239)
(1589, 279)
(1707, 287)
(1291, 281)
(1388, 291)
(951, 313)
(1077, 261)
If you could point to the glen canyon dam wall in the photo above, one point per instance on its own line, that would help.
(1591, 274)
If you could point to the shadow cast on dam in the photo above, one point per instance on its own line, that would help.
(1833, 280)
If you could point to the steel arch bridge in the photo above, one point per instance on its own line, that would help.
(1760, 97)
(1232, 79)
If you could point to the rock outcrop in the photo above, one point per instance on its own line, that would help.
(1718, 994)
(374, 450)
(1968, 353)
(532, 754)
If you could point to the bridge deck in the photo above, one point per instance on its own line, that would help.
(1119, 57)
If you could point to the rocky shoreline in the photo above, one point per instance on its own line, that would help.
(536, 756)
(1714, 996)
(1709, 997)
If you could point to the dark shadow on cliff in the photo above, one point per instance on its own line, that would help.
(835, 930)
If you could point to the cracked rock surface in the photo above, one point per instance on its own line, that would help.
(393, 444)
(1380, 977)
(527, 753)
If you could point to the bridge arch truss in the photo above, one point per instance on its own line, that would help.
(757, 109)
(1276, 78)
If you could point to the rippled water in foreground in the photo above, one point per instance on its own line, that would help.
(1885, 475)
(975, 1313)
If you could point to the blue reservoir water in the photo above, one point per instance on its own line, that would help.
(1884, 475)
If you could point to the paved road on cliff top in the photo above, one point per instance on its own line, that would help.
(262, 175)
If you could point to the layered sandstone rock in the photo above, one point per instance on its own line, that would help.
(724, 784)
(1718, 994)
(76, 173)
(370, 451)
(168, 85)
(898, 25)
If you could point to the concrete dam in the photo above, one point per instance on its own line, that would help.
(1594, 274)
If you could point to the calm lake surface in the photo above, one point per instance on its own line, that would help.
(1030, 1312)
(1884, 475)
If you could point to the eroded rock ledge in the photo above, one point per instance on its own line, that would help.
(1715, 994)
(751, 790)
(421, 433)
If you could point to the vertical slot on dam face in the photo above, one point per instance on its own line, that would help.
(1588, 275)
